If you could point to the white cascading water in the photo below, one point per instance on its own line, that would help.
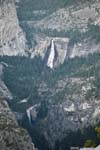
(29, 114)
(51, 56)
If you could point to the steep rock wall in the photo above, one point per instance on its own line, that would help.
(12, 38)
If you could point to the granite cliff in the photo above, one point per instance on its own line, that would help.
(12, 38)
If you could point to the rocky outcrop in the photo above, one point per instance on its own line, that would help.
(4, 91)
(44, 48)
(84, 48)
(12, 38)
(11, 136)
(69, 108)
(64, 48)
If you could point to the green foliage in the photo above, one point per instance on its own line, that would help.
(89, 143)
(78, 138)
(93, 32)
(29, 34)
(97, 129)
(75, 34)
(43, 110)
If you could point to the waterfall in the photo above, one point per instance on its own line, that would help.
(51, 56)
(29, 114)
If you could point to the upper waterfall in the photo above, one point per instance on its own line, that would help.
(50, 62)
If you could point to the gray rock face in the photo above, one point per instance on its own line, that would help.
(43, 49)
(64, 48)
(72, 110)
(11, 136)
(12, 38)
(4, 91)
